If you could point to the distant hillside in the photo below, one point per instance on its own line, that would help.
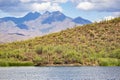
(93, 44)
(36, 24)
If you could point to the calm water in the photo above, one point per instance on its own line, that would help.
(60, 73)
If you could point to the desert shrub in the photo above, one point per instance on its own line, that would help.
(39, 49)
(37, 60)
(57, 61)
(3, 63)
(71, 56)
(27, 63)
(118, 62)
(48, 49)
(58, 49)
(12, 62)
(2, 55)
(108, 62)
(115, 54)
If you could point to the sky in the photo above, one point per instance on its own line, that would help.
(93, 10)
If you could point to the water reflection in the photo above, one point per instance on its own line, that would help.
(60, 73)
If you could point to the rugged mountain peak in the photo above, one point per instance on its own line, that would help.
(57, 12)
(32, 14)
(36, 24)
(47, 12)
(80, 20)
(54, 17)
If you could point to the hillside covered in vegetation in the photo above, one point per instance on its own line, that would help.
(96, 44)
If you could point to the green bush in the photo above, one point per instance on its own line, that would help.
(48, 49)
(39, 49)
(115, 54)
(58, 49)
(3, 63)
(37, 60)
(15, 63)
(27, 63)
(57, 61)
(71, 56)
(109, 62)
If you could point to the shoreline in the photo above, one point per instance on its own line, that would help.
(54, 65)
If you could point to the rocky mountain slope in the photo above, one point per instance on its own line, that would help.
(96, 44)
(36, 24)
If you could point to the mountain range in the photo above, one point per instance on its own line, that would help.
(96, 44)
(36, 24)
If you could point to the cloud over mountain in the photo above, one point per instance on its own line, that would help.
(98, 5)
(12, 6)
(30, 5)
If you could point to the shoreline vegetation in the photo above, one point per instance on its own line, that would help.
(96, 44)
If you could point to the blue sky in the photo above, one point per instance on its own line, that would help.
(93, 10)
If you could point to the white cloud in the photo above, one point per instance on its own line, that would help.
(85, 6)
(25, 1)
(108, 17)
(40, 6)
(98, 5)
(55, 7)
(46, 6)
(60, 1)
(23, 6)
(40, 1)
(113, 15)
(116, 14)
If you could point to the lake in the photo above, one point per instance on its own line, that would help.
(59, 73)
